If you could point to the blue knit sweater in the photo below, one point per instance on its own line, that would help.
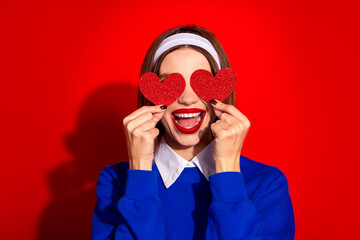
(134, 204)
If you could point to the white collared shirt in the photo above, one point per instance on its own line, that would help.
(171, 164)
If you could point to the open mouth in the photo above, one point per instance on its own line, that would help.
(188, 120)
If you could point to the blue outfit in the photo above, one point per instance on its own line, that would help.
(136, 204)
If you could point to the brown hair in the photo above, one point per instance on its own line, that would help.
(148, 66)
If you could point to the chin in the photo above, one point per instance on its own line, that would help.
(188, 140)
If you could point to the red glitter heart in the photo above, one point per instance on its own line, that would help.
(208, 87)
(165, 92)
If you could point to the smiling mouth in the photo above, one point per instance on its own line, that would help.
(188, 120)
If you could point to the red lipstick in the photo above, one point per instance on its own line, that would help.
(189, 117)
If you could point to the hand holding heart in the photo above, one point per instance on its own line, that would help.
(140, 132)
(229, 132)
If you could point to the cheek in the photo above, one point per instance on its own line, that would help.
(212, 117)
(211, 114)
(166, 120)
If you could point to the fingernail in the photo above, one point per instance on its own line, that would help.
(163, 107)
(213, 101)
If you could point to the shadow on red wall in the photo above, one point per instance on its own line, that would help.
(97, 141)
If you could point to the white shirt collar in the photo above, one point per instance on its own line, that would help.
(170, 164)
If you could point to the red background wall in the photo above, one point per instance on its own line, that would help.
(69, 71)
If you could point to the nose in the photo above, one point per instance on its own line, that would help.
(189, 96)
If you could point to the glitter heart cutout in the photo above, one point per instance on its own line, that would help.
(208, 87)
(165, 92)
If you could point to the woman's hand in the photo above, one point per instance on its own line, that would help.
(229, 132)
(140, 132)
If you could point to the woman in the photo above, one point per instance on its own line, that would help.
(185, 178)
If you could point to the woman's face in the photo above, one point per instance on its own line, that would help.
(187, 120)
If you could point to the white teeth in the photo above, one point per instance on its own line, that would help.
(198, 119)
(187, 115)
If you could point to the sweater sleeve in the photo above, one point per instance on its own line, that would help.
(232, 215)
(130, 213)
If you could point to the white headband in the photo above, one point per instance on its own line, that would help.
(187, 39)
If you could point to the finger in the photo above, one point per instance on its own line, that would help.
(158, 116)
(139, 120)
(144, 127)
(215, 129)
(138, 112)
(147, 136)
(224, 125)
(229, 118)
(154, 132)
(220, 107)
(219, 128)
